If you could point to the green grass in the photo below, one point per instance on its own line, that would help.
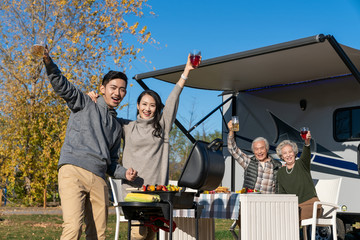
(35, 227)
(222, 229)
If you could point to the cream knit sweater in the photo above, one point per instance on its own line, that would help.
(147, 154)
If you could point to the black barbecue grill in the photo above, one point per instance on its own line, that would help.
(203, 171)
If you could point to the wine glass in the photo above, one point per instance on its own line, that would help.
(195, 57)
(303, 132)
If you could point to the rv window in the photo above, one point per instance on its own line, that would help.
(347, 124)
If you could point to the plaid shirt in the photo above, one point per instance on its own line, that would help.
(265, 182)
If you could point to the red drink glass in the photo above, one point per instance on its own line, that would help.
(303, 132)
(195, 58)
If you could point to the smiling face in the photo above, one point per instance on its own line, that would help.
(259, 149)
(114, 92)
(288, 155)
(147, 107)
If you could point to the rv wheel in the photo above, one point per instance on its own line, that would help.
(323, 233)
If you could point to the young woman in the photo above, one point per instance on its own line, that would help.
(147, 138)
(146, 145)
(295, 177)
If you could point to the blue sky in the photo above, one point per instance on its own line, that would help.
(223, 27)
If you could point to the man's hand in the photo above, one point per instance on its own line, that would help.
(46, 57)
(131, 174)
(230, 126)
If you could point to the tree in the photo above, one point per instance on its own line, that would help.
(180, 147)
(82, 36)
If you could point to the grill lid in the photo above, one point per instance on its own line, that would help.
(205, 166)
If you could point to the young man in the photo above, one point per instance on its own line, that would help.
(90, 150)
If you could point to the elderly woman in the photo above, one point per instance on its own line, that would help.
(295, 177)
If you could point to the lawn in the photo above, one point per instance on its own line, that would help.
(49, 227)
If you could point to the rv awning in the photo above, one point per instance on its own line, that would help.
(311, 58)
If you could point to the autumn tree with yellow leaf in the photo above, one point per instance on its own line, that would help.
(84, 38)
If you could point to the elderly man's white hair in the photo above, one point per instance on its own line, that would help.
(260, 139)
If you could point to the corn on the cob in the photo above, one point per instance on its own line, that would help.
(142, 197)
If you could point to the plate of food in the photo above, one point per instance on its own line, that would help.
(248, 191)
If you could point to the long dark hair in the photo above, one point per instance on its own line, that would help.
(157, 115)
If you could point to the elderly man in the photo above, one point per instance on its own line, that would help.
(260, 169)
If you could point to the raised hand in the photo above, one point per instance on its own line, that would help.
(46, 56)
(308, 138)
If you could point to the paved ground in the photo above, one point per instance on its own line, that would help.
(36, 210)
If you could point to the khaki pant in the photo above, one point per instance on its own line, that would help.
(84, 197)
(306, 209)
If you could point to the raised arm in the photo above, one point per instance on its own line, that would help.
(172, 102)
(230, 126)
(184, 76)
(74, 98)
(236, 152)
(306, 153)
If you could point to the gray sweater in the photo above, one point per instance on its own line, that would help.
(145, 153)
(93, 132)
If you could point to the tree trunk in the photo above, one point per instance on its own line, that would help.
(1, 194)
(44, 197)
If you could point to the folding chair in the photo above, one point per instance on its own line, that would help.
(116, 191)
(328, 194)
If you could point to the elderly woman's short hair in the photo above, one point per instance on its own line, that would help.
(260, 139)
(286, 143)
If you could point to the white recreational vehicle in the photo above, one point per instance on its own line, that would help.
(275, 90)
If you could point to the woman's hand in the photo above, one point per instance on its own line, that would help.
(189, 66)
(131, 174)
(185, 74)
(93, 95)
(308, 138)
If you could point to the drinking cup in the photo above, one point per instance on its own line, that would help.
(303, 132)
(37, 50)
(195, 58)
(235, 123)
